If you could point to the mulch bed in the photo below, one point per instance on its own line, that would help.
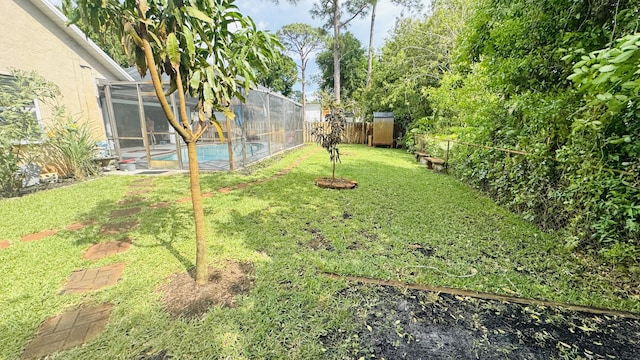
(335, 183)
(397, 323)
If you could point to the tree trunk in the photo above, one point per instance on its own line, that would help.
(336, 50)
(370, 63)
(304, 96)
(198, 215)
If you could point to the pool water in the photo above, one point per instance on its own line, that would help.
(213, 152)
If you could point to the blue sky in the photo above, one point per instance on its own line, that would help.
(270, 16)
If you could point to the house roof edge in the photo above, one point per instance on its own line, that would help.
(77, 35)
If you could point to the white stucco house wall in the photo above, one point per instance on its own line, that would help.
(34, 36)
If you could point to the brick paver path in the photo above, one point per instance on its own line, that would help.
(142, 183)
(93, 279)
(67, 330)
(134, 200)
(101, 250)
(160, 205)
(80, 225)
(118, 228)
(4, 244)
(40, 235)
(125, 212)
(138, 192)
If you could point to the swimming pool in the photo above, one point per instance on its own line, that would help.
(213, 152)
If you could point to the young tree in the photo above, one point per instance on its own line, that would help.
(209, 51)
(330, 138)
(304, 40)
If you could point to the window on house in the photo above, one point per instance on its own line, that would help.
(19, 113)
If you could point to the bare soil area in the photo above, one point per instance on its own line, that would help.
(335, 183)
(182, 298)
(397, 323)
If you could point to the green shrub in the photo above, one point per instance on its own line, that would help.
(18, 123)
(70, 147)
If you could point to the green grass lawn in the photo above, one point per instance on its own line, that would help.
(402, 223)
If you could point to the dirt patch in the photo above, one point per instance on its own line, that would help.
(421, 250)
(182, 298)
(398, 323)
(337, 183)
(162, 355)
(318, 241)
(367, 235)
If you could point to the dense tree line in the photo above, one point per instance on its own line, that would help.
(558, 80)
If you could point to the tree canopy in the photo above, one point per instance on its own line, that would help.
(209, 51)
(353, 66)
(281, 76)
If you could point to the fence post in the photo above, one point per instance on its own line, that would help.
(446, 159)
(229, 142)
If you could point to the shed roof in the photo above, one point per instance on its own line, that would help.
(383, 115)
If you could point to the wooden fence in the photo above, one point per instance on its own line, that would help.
(355, 133)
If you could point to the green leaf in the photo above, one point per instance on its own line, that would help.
(602, 78)
(155, 38)
(622, 57)
(574, 76)
(191, 11)
(567, 57)
(191, 47)
(173, 49)
(608, 68)
(195, 80)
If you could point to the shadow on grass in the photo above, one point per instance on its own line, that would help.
(164, 225)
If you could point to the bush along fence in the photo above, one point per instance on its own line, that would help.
(599, 211)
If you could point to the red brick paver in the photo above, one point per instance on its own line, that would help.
(207, 195)
(101, 250)
(160, 205)
(4, 244)
(67, 330)
(131, 201)
(184, 199)
(118, 228)
(225, 190)
(40, 235)
(125, 212)
(93, 279)
(80, 225)
(242, 186)
(138, 192)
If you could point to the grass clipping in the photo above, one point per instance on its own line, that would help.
(182, 298)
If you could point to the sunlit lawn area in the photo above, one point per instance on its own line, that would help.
(402, 223)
